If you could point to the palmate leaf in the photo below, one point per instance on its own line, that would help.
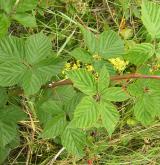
(41, 73)
(151, 18)
(83, 80)
(74, 140)
(140, 53)
(147, 102)
(109, 116)
(86, 113)
(29, 63)
(107, 44)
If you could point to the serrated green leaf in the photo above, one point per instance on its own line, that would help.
(157, 52)
(151, 18)
(5, 23)
(8, 132)
(27, 20)
(64, 94)
(11, 48)
(55, 126)
(38, 47)
(103, 80)
(29, 65)
(82, 55)
(11, 73)
(136, 89)
(109, 116)
(36, 76)
(140, 53)
(99, 64)
(140, 87)
(3, 154)
(83, 80)
(26, 5)
(115, 94)
(110, 45)
(145, 110)
(3, 97)
(51, 65)
(11, 114)
(52, 107)
(86, 113)
(74, 141)
(72, 104)
(90, 40)
(48, 110)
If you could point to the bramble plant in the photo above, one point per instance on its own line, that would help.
(79, 93)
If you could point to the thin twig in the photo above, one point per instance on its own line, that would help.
(56, 156)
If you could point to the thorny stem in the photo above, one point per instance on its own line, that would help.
(113, 78)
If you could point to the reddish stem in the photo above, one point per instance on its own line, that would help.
(113, 78)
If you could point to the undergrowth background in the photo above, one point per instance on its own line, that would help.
(132, 144)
